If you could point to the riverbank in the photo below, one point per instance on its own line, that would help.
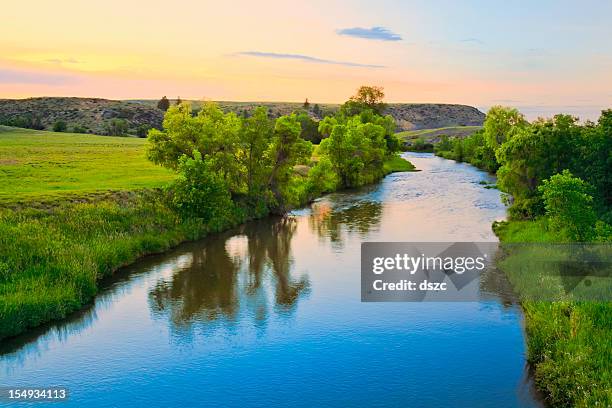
(53, 258)
(569, 343)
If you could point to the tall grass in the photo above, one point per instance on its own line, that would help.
(52, 260)
(569, 343)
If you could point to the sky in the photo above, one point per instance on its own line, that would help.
(541, 56)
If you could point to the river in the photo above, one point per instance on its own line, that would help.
(269, 314)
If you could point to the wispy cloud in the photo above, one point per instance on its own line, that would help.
(374, 33)
(306, 58)
(14, 76)
(473, 40)
(63, 61)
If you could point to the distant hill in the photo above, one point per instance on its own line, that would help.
(433, 136)
(81, 115)
(102, 116)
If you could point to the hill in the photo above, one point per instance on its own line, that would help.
(432, 136)
(110, 117)
(82, 115)
(47, 165)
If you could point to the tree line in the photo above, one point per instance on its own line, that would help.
(556, 167)
(233, 167)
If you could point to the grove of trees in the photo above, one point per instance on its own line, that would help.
(234, 166)
(555, 167)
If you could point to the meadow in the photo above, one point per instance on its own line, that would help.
(39, 166)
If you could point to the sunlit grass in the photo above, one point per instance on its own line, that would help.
(46, 166)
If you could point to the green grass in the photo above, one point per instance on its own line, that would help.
(397, 164)
(51, 260)
(569, 342)
(46, 166)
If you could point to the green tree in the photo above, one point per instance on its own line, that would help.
(60, 126)
(254, 140)
(569, 205)
(306, 104)
(316, 110)
(212, 133)
(310, 128)
(286, 150)
(201, 192)
(501, 124)
(366, 97)
(357, 151)
(163, 103)
(116, 127)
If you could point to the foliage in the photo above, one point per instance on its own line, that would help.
(286, 150)
(306, 104)
(163, 104)
(310, 128)
(357, 151)
(366, 98)
(322, 178)
(116, 127)
(60, 126)
(500, 125)
(201, 192)
(471, 149)
(569, 206)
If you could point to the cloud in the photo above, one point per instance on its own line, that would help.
(473, 40)
(63, 61)
(374, 33)
(14, 76)
(305, 58)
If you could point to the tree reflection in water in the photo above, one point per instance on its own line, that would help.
(332, 219)
(232, 274)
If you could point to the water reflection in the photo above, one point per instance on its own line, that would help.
(341, 213)
(240, 272)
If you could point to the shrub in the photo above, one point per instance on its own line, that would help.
(60, 126)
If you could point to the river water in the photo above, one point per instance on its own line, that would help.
(269, 315)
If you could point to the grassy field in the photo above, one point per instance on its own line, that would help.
(46, 166)
(569, 342)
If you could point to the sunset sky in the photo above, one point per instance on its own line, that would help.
(540, 56)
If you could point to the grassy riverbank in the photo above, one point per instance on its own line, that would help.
(52, 256)
(569, 343)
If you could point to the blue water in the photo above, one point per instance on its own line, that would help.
(269, 315)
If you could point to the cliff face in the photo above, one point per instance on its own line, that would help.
(94, 115)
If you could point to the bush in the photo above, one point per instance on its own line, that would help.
(60, 126)
(116, 127)
(200, 192)
(322, 178)
(569, 205)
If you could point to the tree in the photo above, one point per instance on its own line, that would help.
(569, 205)
(357, 151)
(366, 97)
(286, 150)
(163, 104)
(306, 104)
(310, 128)
(212, 133)
(179, 101)
(316, 110)
(201, 192)
(501, 124)
(60, 126)
(254, 140)
(116, 127)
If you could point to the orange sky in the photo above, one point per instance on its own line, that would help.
(553, 58)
